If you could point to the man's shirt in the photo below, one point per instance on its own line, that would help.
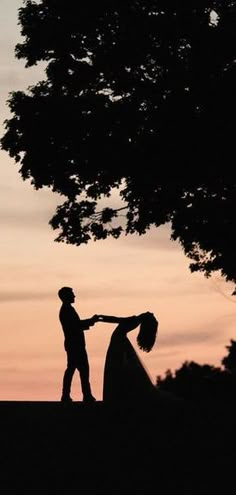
(73, 327)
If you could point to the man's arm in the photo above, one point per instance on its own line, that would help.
(89, 322)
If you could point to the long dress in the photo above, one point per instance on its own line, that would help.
(125, 377)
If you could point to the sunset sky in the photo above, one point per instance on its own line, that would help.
(120, 277)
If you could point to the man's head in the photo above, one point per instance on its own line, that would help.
(66, 294)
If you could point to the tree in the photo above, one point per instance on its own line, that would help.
(229, 361)
(139, 96)
(193, 381)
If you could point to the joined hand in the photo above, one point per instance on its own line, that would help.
(94, 319)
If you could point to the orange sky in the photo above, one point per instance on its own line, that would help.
(121, 277)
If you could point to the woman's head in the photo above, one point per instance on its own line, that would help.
(148, 331)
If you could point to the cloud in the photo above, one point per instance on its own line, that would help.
(213, 331)
(185, 338)
(15, 296)
(155, 238)
(21, 219)
(22, 356)
(122, 292)
(21, 206)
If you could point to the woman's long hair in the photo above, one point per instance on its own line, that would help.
(148, 331)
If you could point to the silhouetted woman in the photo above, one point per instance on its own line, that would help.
(125, 377)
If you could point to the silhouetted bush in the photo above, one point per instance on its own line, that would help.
(198, 382)
(229, 361)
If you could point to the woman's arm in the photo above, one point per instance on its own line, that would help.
(110, 319)
(125, 323)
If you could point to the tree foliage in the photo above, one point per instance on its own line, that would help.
(197, 382)
(139, 95)
(229, 361)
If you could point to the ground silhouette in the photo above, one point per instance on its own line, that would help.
(183, 448)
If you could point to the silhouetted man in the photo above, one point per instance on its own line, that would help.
(74, 343)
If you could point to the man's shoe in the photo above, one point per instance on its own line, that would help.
(66, 400)
(90, 398)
